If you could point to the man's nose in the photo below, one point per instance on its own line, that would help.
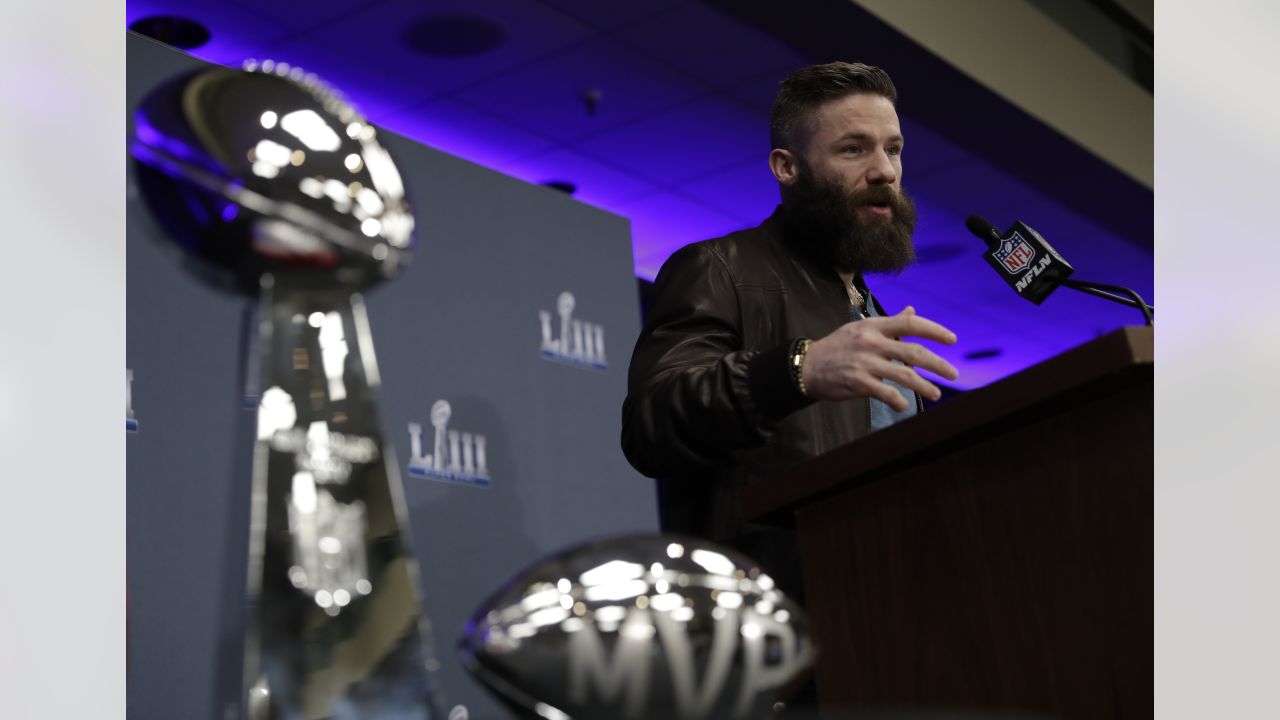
(882, 171)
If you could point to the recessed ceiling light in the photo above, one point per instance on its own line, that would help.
(454, 36)
(180, 32)
(563, 186)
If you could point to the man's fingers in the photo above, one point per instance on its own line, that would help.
(919, 356)
(922, 387)
(873, 387)
(907, 324)
(908, 378)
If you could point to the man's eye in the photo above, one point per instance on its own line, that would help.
(852, 149)
(894, 151)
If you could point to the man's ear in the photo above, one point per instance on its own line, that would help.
(785, 166)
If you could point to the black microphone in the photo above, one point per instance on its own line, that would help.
(1034, 269)
(979, 226)
(1026, 261)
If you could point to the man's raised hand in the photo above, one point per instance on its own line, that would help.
(855, 360)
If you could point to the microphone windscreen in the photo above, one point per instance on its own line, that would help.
(983, 229)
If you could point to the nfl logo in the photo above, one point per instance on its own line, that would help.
(1015, 254)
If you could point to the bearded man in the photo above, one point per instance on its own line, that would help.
(764, 348)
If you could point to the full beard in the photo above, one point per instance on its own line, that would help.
(826, 215)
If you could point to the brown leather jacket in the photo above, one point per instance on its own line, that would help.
(710, 404)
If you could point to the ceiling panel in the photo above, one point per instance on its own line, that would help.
(746, 191)
(299, 16)
(462, 131)
(756, 94)
(375, 37)
(941, 239)
(924, 151)
(610, 15)
(597, 183)
(235, 33)
(702, 137)
(548, 96)
(662, 223)
(967, 189)
(693, 38)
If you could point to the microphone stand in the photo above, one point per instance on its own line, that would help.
(1103, 290)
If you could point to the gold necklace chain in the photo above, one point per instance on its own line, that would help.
(856, 298)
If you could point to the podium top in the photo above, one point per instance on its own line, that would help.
(1088, 368)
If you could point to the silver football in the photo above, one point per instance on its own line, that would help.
(645, 626)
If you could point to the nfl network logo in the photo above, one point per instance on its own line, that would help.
(1015, 254)
(130, 422)
(457, 457)
(579, 343)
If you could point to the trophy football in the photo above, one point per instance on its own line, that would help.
(278, 189)
(641, 627)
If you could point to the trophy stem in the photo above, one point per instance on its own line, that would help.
(336, 625)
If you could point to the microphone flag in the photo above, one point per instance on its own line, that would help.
(1028, 263)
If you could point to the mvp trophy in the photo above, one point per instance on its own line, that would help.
(277, 188)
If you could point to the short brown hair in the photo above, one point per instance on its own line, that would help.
(805, 90)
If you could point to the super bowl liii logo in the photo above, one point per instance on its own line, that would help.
(578, 342)
(458, 457)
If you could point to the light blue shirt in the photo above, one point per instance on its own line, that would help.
(882, 415)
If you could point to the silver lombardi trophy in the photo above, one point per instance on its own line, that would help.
(279, 189)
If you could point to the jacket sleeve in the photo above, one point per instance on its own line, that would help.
(694, 393)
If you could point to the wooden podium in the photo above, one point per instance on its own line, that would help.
(992, 553)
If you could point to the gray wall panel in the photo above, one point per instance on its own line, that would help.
(186, 465)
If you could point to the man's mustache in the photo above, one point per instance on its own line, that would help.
(875, 195)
